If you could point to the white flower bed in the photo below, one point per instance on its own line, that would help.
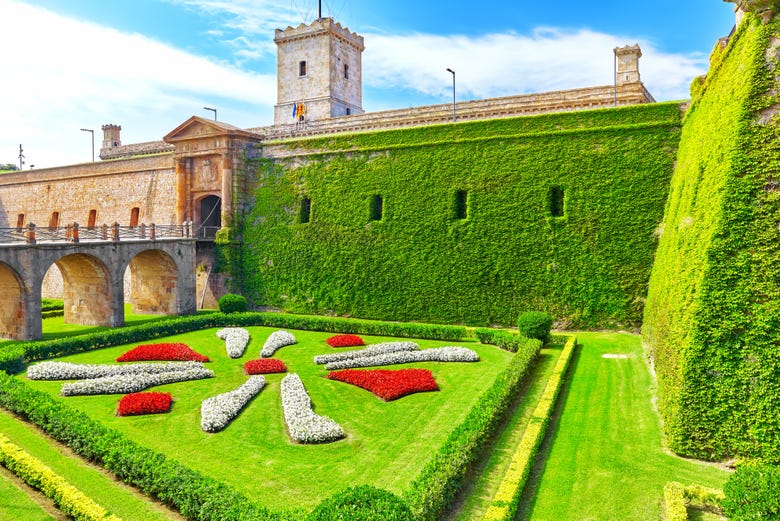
(70, 371)
(276, 340)
(132, 383)
(372, 350)
(236, 340)
(218, 411)
(303, 424)
(439, 354)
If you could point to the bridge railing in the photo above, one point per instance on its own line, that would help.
(31, 234)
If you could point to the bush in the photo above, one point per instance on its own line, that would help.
(363, 503)
(535, 324)
(232, 303)
(752, 493)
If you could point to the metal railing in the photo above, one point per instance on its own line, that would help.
(74, 233)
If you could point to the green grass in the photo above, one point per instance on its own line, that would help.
(16, 504)
(387, 443)
(603, 457)
(100, 486)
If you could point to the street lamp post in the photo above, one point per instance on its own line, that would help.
(93, 141)
(212, 110)
(453, 93)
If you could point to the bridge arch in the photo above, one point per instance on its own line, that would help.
(154, 283)
(87, 291)
(12, 293)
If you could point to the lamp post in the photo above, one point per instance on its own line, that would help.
(93, 141)
(212, 110)
(453, 93)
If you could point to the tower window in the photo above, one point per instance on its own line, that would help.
(346, 71)
(557, 197)
(92, 218)
(302, 68)
(305, 214)
(376, 208)
(461, 204)
(134, 216)
(54, 220)
(349, 111)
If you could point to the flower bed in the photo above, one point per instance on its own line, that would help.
(218, 411)
(388, 384)
(167, 351)
(236, 339)
(265, 366)
(277, 340)
(439, 354)
(144, 403)
(373, 350)
(345, 341)
(303, 424)
(132, 383)
(70, 371)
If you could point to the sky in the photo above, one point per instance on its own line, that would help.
(148, 65)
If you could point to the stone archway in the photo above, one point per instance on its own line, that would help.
(86, 290)
(12, 298)
(154, 279)
(209, 217)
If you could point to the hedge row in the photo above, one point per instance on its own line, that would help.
(506, 340)
(13, 357)
(52, 304)
(68, 498)
(504, 504)
(196, 496)
(53, 313)
(441, 478)
(677, 497)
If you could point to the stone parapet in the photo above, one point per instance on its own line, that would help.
(135, 149)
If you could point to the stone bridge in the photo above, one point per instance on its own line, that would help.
(162, 272)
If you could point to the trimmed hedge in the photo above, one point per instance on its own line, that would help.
(535, 324)
(678, 497)
(504, 339)
(13, 358)
(442, 477)
(196, 496)
(52, 304)
(68, 498)
(232, 303)
(423, 261)
(712, 318)
(504, 504)
(363, 503)
(753, 492)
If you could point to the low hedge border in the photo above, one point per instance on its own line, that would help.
(53, 313)
(441, 478)
(14, 357)
(504, 504)
(677, 497)
(68, 498)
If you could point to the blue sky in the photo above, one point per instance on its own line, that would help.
(148, 65)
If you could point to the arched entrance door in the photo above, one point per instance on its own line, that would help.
(210, 217)
(12, 308)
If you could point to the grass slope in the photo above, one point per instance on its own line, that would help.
(16, 503)
(603, 458)
(387, 443)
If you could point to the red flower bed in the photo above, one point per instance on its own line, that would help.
(265, 366)
(148, 352)
(388, 384)
(144, 403)
(345, 341)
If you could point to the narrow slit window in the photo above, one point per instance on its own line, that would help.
(54, 220)
(305, 214)
(346, 71)
(92, 218)
(376, 208)
(302, 68)
(134, 216)
(461, 204)
(557, 199)
(19, 222)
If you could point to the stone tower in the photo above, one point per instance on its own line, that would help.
(627, 64)
(111, 136)
(319, 72)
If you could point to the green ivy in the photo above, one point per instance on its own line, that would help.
(712, 320)
(422, 261)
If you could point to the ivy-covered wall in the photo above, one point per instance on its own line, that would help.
(469, 229)
(712, 320)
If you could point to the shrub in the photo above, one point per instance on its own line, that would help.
(535, 324)
(345, 341)
(363, 503)
(144, 403)
(752, 493)
(502, 339)
(232, 303)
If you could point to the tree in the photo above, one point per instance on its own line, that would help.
(10, 167)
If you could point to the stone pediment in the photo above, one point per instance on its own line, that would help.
(198, 128)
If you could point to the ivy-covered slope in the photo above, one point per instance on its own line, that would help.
(712, 320)
(468, 230)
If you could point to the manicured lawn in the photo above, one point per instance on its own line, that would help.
(603, 458)
(100, 486)
(387, 443)
(15, 503)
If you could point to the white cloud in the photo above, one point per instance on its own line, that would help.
(64, 74)
(509, 63)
